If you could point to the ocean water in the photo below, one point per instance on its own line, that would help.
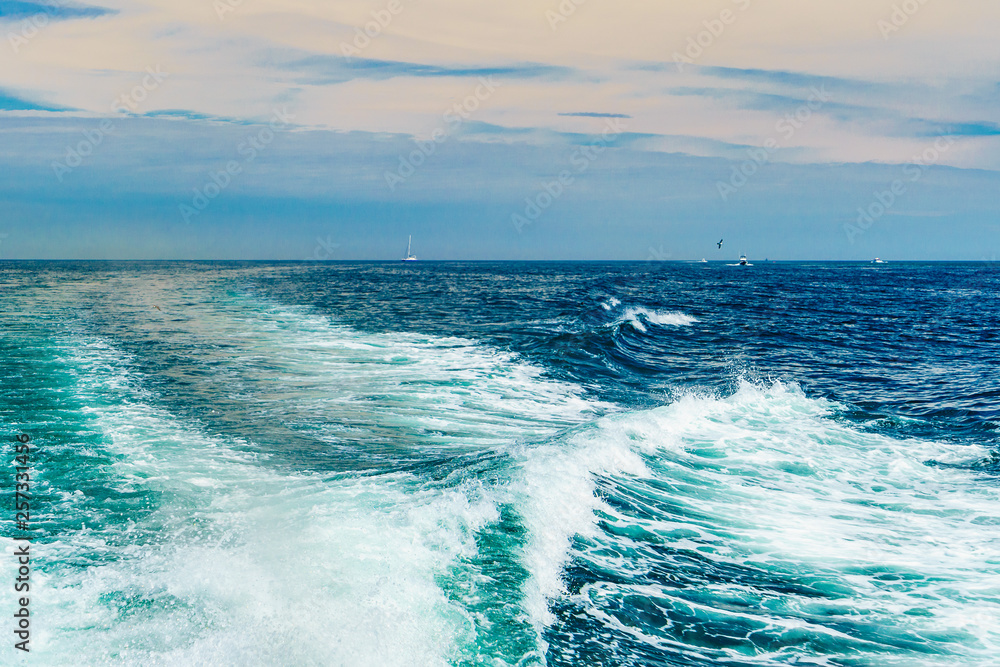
(505, 464)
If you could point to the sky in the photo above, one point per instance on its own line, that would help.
(543, 129)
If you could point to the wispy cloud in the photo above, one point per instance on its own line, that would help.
(595, 114)
(885, 120)
(936, 128)
(15, 10)
(11, 102)
(185, 114)
(791, 78)
(332, 69)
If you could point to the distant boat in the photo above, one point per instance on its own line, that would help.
(703, 261)
(743, 261)
(877, 261)
(410, 257)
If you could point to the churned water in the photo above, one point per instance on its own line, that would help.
(504, 464)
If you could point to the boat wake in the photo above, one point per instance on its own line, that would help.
(405, 498)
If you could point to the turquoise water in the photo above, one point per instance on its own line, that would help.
(505, 464)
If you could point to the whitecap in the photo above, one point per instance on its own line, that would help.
(639, 317)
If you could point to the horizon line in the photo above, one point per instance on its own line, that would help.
(521, 261)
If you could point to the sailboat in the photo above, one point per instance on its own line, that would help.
(410, 257)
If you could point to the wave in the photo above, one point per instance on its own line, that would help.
(236, 558)
(759, 529)
(240, 563)
(639, 318)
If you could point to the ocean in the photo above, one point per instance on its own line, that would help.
(253, 463)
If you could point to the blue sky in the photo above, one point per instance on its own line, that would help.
(148, 129)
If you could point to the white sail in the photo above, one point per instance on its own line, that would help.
(409, 255)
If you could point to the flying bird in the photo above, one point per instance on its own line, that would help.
(720, 243)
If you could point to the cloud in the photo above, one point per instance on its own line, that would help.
(10, 102)
(550, 137)
(321, 69)
(595, 114)
(15, 11)
(791, 79)
(684, 130)
(934, 128)
(186, 114)
(885, 121)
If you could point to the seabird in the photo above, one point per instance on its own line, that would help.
(720, 244)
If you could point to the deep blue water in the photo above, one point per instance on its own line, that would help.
(506, 463)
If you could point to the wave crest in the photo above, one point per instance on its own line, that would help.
(639, 317)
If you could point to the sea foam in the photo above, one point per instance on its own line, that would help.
(639, 317)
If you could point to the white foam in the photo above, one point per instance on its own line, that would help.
(638, 317)
(555, 491)
(241, 563)
(776, 481)
(444, 391)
